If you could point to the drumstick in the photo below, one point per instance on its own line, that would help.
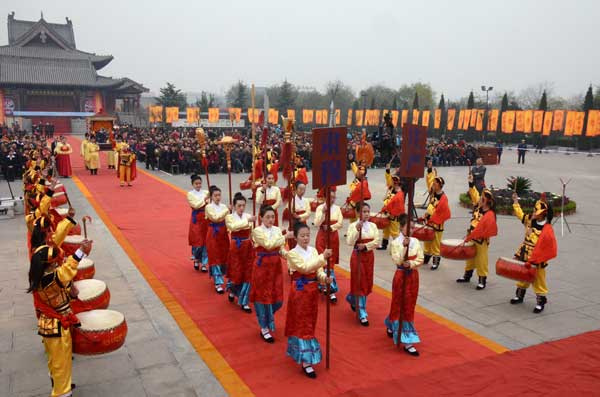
(84, 219)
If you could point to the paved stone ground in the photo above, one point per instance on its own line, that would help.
(156, 360)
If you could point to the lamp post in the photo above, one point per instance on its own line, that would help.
(487, 107)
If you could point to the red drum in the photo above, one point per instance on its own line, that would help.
(456, 249)
(72, 243)
(93, 294)
(246, 185)
(313, 205)
(59, 188)
(422, 233)
(76, 229)
(101, 331)
(382, 221)
(515, 270)
(58, 199)
(348, 212)
(62, 212)
(85, 269)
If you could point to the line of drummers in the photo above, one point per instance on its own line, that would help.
(244, 254)
(70, 305)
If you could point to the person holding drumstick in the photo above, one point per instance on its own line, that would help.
(405, 289)
(394, 207)
(50, 281)
(537, 248)
(438, 212)
(482, 227)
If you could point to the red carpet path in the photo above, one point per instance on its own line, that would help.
(154, 217)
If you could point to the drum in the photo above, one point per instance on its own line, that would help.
(101, 331)
(382, 221)
(58, 199)
(246, 185)
(72, 243)
(422, 232)
(93, 294)
(76, 229)
(59, 188)
(348, 212)
(456, 249)
(515, 270)
(85, 270)
(62, 211)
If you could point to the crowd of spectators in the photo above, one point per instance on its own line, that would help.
(449, 153)
(15, 143)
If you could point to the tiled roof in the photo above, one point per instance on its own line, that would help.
(17, 28)
(55, 53)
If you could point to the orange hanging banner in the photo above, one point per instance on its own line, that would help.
(493, 120)
(578, 124)
(395, 115)
(519, 120)
(172, 114)
(213, 115)
(592, 122)
(235, 114)
(461, 119)
(570, 123)
(508, 121)
(467, 119)
(538, 120)
(156, 114)
(437, 118)
(597, 129)
(253, 115)
(547, 123)
(473, 121)
(415, 117)
(359, 118)
(479, 121)
(559, 120)
(192, 115)
(291, 114)
(307, 116)
(404, 118)
(425, 118)
(1, 106)
(527, 121)
(273, 116)
(450, 122)
(349, 118)
(338, 116)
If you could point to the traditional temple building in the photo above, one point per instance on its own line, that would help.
(44, 78)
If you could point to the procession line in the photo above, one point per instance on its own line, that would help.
(229, 379)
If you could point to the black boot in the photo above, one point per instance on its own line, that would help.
(436, 262)
(426, 259)
(519, 296)
(466, 277)
(384, 244)
(541, 302)
(482, 282)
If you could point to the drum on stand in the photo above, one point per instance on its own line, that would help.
(93, 294)
(58, 199)
(422, 232)
(515, 269)
(85, 270)
(348, 212)
(72, 244)
(381, 220)
(101, 331)
(62, 211)
(457, 249)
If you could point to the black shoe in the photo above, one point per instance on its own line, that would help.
(309, 371)
(520, 295)
(466, 277)
(219, 290)
(203, 269)
(390, 333)
(482, 282)
(196, 267)
(384, 244)
(268, 339)
(436, 263)
(426, 259)
(353, 308)
(541, 302)
(247, 309)
(412, 351)
(231, 297)
(333, 298)
(364, 322)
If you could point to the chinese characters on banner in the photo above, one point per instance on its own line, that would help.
(412, 157)
(329, 151)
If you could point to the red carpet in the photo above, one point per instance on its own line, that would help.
(154, 219)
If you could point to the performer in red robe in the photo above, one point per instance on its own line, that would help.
(359, 188)
(336, 222)
(63, 152)
(269, 195)
(197, 199)
(217, 239)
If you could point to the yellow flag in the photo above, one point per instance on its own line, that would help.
(493, 121)
(291, 114)
(570, 123)
(461, 119)
(213, 115)
(395, 115)
(437, 118)
(538, 120)
(519, 120)
(547, 123)
(156, 114)
(325, 116)
(592, 122)
(479, 121)
(235, 114)
(308, 116)
(172, 114)
(338, 116)
(451, 116)
(273, 116)
(404, 117)
(467, 119)
(359, 116)
(193, 115)
(415, 117)
(508, 121)
(578, 125)
(559, 120)
(527, 121)
(425, 118)
(473, 121)
(349, 118)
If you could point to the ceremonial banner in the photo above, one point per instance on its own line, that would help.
(479, 121)
(372, 117)
(467, 119)
(559, 120)
(592, 122)
(172, 114)
(450, 122)
(273, 116)
(235, 114)
(508, 121)
(338, 116)
(325, 116)
(404, 117)
(425, 118)
(395, 115)
(412, 157)
(291, 114)
(547, 123)
(570, 123)
(329, 149)
(493, 120)
(527, 121)
(461, 119)
(415, 117)
(98, 104)
(473, 121)
(1, 106)
(538, 120)
(437, 118)
(213, 115)
(308, 116)
(193, 115)
(156, 114)
(358, 117)
(578, 124)
(321, 117)
(519, 120)
(253, 115)
(349, 118)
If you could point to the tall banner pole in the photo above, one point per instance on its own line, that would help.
(253, 149)
(328, 304)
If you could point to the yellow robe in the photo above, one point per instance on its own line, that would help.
(84, 152)
(93, 154)
(273, 193)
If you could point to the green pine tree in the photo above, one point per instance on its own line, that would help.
(416, 101)
(588, 103)
(544, 102)
(504, 104)
(471, 101)
(171, 96)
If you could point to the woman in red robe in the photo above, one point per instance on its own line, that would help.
(217, 238)
(335, 223)
(63, 152)
(197, 199)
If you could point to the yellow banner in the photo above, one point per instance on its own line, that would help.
(349, 118)
(415, 117)
(461, 119)
(291, 114)
(519, 120)
(578, 124)
(404, 118)
(467, 119)
(213, 115)
(192, 115)
(479, 121)
(538, 120)
(547, 123)
(273, 116)
(508, 121)
(559, 120)
(1, 106)
(451, 116)
(437, 118)
(592, 122)
(425, 118)
(156, 114)
(308, 116)
(325, 116)
(253, 115)
(570, 123)
(235, 114)
(527, 121)
(395, 115)
(358, 117)
(473, 121)
(338, 116)
(493, 121)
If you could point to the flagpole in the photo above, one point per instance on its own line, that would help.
(252, 149)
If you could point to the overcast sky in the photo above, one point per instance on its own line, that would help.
(455, 45)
